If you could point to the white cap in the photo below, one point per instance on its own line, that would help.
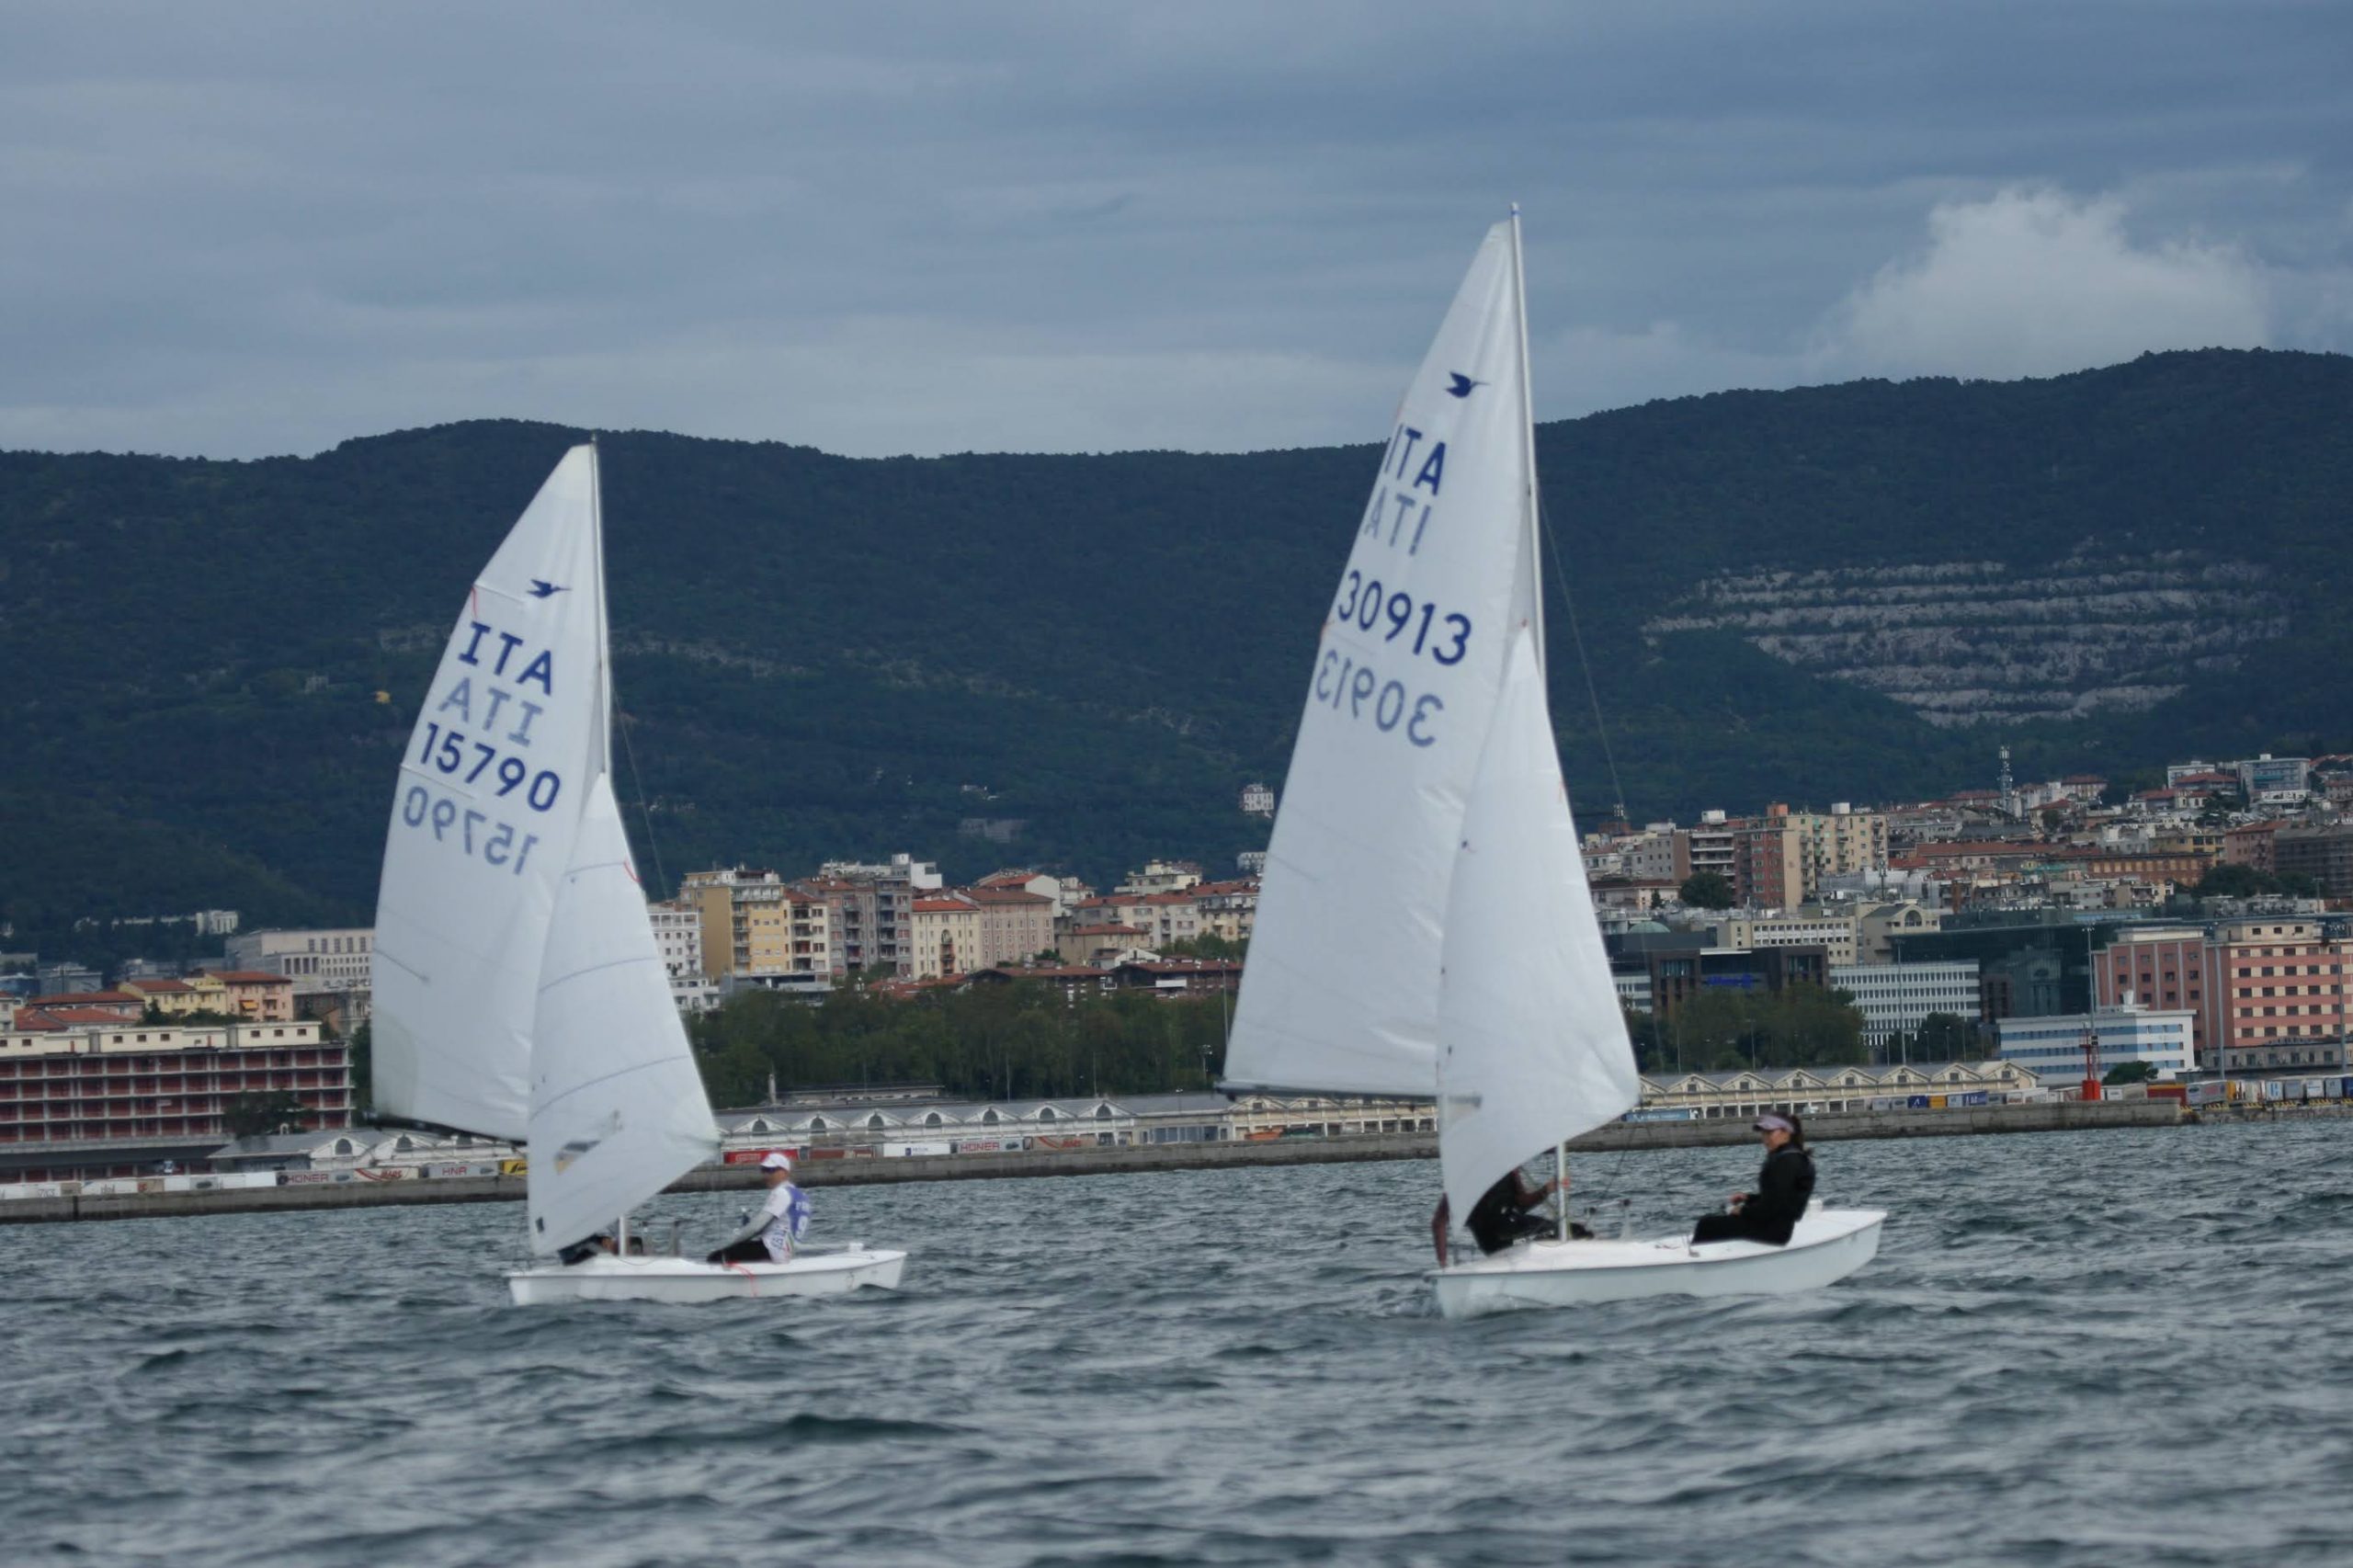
(777, 1160)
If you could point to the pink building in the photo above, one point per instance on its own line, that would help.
(2272, 983)
(2163, 967)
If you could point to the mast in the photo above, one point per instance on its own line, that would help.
(1530, 515)
(604, 750)
(603, 759)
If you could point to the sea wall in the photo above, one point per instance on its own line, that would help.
(2053, 1116)
(2056, 1117)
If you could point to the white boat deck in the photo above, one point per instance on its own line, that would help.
(681, 1279)
(1827, 1246)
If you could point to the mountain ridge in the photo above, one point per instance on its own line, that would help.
(823, 655)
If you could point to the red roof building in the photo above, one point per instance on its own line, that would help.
(1099, 942)
(1180, 977)
(107, 1004)
(86, 1094)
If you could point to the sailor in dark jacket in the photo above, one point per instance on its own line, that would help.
(1509, 1212)
(1783, 1188)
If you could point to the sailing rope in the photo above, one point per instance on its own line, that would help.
(748, 1275)
(1560, 576)
(644, 807)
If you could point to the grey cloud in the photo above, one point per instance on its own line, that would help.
(1045, 226)
(2033, 282)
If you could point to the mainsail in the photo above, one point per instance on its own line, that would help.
(618, 1109)
(1535, 1048)
(1341, 991)
(513, 733)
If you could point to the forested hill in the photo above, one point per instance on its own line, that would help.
(1854, 592)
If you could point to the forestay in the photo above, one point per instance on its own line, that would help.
(618, 1109)
(512, 731)
(1534, 1045)
(1341, 990)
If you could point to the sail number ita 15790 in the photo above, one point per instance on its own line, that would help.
(449, 752)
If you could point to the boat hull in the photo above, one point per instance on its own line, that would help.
(1827, 1246)
(687, 1280)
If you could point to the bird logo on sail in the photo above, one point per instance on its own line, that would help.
(542, 588)
(573, 1151)
(1462, 385)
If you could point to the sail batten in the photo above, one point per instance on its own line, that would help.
(1340, 995)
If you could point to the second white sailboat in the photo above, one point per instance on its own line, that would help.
(1425, 927)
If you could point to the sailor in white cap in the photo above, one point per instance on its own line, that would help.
(769, 1235)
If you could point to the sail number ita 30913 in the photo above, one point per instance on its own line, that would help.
(1365, 605)
(1345, 687)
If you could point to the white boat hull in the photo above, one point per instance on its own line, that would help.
(681, 1279)
(1827, 1246)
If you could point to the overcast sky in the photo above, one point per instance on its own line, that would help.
(238, 228)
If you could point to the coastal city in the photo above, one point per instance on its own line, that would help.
(2026, 942)
(1044, 785)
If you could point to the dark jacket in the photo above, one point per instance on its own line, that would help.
(1505, 1213)
(1783, 1188)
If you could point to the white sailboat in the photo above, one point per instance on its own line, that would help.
(1424, 927)
(519, 992)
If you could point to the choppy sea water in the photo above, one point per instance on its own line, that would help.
(2096, 1348)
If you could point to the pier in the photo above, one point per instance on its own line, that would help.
(2061, 1116)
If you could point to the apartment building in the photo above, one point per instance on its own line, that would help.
(1768, 866)
(946, 938)
(874, 926)
(1064, 892)
(2052, 1048)
(756, 925)
(2323, 854)
(1897, 998)
(1877, 926)
(2249, 843)
(2273, 779)
(2182, 864)
(1835, 932)
(2274, 982)
(1229, 909)
(1712, 845)
(1166, 917)
(316, 961)
(1843, 842)
(1678, 974)
(1160, 876)
(1783, 857)
(1097, 945)
(104, 1096)
(677, 937)
(2266, 983)
(252, 993)
(1015, 926)
(119, 1002)
(2158, 966)
(1657, 854)
(860, 913)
